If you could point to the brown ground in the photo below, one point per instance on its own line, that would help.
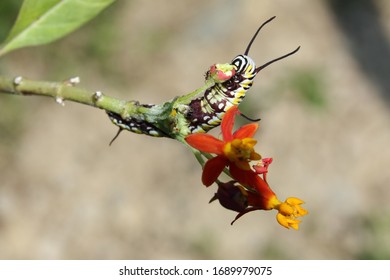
(65, 194)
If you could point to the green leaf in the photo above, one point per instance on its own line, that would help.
(44, 21)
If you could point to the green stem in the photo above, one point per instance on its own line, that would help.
(62, 91)
(198, 156)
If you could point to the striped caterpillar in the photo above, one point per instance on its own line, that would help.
(202, 110)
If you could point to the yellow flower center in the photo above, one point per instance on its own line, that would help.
(289, 211)
(241, 152)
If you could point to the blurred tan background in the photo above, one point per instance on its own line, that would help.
(65, 194)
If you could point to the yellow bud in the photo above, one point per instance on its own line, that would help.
(236, 142)
(282, 220)
(286, 209)
(286, 222)
(249, 142)
(288, 212)
(294, 201)
(300, 211)
(255, 156)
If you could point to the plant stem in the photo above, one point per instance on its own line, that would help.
(67, 90)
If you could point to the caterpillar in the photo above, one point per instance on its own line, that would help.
(206, 112)
(226, 85)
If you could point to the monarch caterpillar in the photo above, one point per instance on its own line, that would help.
(226, 85)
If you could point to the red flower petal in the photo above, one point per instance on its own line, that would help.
(263, 193)
(245, 177)
(205, 143)
(212, 169)
(228, 123)
(246, 131)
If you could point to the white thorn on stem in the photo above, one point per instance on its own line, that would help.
(74, 80)
(97, 95)
(60, 100)
(18, 80)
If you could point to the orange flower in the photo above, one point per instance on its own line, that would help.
(255, 194)
(235, 150)
(249, 191)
